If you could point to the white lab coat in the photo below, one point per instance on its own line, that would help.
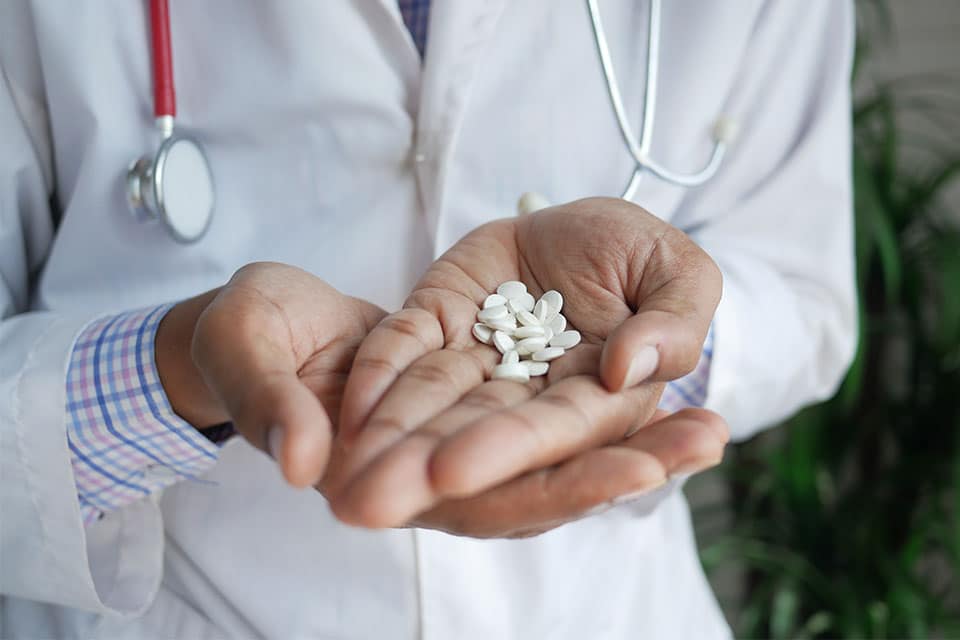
(333, 150)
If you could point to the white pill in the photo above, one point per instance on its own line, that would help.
(512, 289)
(527, 301)
(530, 345)
(531, 331)
(503, 342)
(541, 310)
(558, 323)
(566, 340)
(536, 368)
(515, 372)
(544, 355)
(493, 313)
(494, 300)
(483, 333)
(510, 357)
(527, 319)
(523, 303)
(554, 299)
(547, 334)
(506, 325)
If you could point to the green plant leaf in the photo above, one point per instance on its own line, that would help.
(888, 251)
(819, 623)
(783, 614)
(947, 252)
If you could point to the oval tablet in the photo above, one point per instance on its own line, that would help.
(493, 313)
(510, 357)
(506, 325)
(547, 334)
(558, 323)
(526, 301)
(536, 368)
(483, 333)
(531, 331)
(494, 300)
(554, 299)
(527, 319)
(566, 340)
(541, 310)
(514, 372)
(545, 355)
(531, 345)
(512, 289)
(503, 342)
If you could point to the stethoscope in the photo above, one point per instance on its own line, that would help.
(724, 129)
(175, 185)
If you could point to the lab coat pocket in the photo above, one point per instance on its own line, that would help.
(170, 616)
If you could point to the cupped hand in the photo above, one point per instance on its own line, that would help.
(423, 426)
(269, 351)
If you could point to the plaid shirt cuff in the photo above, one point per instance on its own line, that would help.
(125, 440)
(691, 389)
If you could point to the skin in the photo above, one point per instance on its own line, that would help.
(414, 436)
(270, 349)
(422, 426)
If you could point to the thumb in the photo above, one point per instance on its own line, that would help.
(679, 291)
(267, 402)
(281, 416)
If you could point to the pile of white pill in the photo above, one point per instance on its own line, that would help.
(529, 333)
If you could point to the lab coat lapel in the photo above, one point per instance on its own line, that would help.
(457, 40)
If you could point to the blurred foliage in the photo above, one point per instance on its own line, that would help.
(846, 520)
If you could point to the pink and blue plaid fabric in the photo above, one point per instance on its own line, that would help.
(690, 390)
(125, 440)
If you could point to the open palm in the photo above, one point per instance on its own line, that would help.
(425, 428)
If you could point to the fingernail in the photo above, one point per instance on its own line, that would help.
(644, 363)
(690, 467)
(596, 510)
(637, 495)
(630, 497)
(275, 442)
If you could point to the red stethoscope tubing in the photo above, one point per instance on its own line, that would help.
(164, 95)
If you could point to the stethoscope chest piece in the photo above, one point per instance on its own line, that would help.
(174, 187)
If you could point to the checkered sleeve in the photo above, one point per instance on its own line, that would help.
(125, 440)
(691, 389)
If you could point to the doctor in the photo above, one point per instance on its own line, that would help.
(336, 148)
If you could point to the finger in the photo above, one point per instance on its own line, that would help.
(548, 497)
(599, 478)
(256, 381)
(570, 416)
(396, 484)
(423, 397)
(677, 295)
(688, 441)
(428, 387)
(395, 343)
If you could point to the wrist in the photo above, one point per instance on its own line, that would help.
(188, 394)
